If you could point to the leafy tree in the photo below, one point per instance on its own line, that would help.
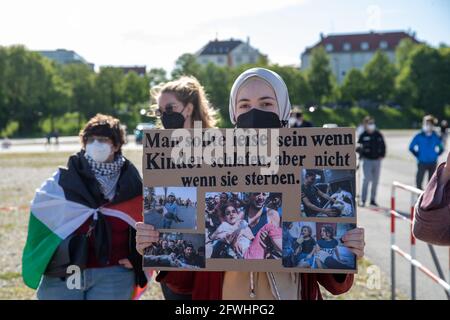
(426, 75)
(403, 51)
(353, 88)
(29, 88)
(217, 83)
(82, 83)
(320, 76)
(109, 91)
(187, 64)
(156, 76)
(4, 111)
(380, 74)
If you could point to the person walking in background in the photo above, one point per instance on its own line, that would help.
(432, 210)
(426, 146)
(371, 149)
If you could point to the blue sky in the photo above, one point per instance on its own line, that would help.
(155, 33)
(180, 192)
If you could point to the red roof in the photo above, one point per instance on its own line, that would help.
(353, 42)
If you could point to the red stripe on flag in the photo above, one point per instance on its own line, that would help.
(132, 207)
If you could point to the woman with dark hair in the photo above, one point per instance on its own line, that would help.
(305, 250)
(326, 252)
(84, 216)
(232, 237)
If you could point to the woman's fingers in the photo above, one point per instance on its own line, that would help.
(126, 263)
(140, 247)
(140, 226)
(146, 235)
(354, 234)
(359, 253)
(354, 244)
(354, 241)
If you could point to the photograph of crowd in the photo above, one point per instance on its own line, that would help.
(243, 225)
(170, 207)
(316, 245)
(328, 193)
(177, 250)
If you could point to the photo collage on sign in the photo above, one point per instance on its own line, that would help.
(327, 212)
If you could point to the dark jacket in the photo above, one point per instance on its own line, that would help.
(80, 185)
(371, 145)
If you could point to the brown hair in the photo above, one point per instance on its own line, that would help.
(189, 90)
(367, 119)
(430, 118)
(104, 126)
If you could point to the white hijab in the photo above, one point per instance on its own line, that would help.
(277, 83)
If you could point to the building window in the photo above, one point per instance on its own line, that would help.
(383, 44)
(364, 46)
(347, 46)
(329, 47)
(220, 60)
(238, 60)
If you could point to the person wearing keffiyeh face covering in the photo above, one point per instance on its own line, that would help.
(97, 177)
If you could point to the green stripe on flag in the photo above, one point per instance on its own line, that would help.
(39, 249)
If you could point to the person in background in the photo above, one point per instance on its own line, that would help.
(371, 149)
(179, 103)
(296, 120)
(444, 133)
(426, 146)
(432, 210)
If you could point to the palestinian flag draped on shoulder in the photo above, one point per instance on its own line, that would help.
(61, 205)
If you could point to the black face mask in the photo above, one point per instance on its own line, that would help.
(257, 119)
(173, 120)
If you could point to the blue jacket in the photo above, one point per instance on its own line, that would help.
(425, 148)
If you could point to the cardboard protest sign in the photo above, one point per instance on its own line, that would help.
(250, 199)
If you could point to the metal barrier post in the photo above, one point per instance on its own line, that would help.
(392, 243)
(440, 280)
(413, 250)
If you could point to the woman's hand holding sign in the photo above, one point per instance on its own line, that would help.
(354, 241)
(145, 236)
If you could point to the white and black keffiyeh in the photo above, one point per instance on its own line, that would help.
(107, 174)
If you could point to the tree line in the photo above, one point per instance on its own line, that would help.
(38, 95)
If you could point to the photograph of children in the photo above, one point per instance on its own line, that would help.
(316, 245)
(243, 225)
(170, 207)
(177, 250)
(328, 193)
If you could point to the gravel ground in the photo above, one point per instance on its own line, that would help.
(24, 172)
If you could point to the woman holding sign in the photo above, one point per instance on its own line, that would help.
(179, 104)
(259, 99)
